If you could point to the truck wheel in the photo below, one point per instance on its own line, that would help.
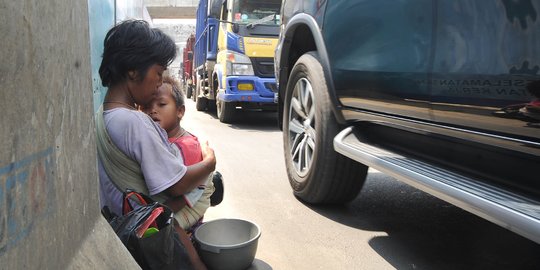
(200, 102)
(225, 111)
(317, 173)
(212, 102)
(188, 91)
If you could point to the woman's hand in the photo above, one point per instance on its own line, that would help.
(208, 155)
(196, 173)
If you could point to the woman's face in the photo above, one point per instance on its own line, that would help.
(144, 90)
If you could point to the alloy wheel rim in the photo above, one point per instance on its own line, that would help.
(301, 128)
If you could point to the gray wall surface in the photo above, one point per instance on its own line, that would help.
(179, 31)
(170, 3)
(49, 208)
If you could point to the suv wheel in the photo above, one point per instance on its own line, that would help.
(317, 173)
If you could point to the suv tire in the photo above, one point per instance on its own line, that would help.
(317, 173)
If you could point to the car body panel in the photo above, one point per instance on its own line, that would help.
(453, 63)
(388, 51)
(453, 84)
(487, 52)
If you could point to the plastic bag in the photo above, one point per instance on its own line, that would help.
(149, 235)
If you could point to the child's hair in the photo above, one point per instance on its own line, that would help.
(177, 92)
(133, 45)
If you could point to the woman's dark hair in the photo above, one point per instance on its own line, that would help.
(133, 45)
(177, 92)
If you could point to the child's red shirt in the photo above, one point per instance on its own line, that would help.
(190, 148)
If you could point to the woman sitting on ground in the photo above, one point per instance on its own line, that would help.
(138, 154)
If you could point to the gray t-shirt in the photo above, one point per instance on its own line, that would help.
(144, 141)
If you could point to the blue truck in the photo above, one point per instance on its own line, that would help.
(233, 66)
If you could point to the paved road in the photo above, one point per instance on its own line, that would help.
(388, 226)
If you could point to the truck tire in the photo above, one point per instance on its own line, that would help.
(225, 111)
(188, 91)
(211, 105)
(212, 101)
(201, 103)
(317, 173)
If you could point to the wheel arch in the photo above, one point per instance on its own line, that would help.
(218, 74)
(302, 35)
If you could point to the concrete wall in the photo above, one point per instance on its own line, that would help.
(172, 9)
(179, 30)
(128, 9)
(49, 210)
(171, 3)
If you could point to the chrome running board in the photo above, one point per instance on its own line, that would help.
(509, 210)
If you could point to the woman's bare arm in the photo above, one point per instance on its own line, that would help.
(176, 203)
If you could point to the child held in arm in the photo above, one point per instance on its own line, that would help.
(167, 108)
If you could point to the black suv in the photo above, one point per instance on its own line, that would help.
(442, 95)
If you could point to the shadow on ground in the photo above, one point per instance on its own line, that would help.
(253, 120)
(427, 233)
(259, 265)
(257, 120)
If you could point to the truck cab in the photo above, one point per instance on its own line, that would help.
(245, 34)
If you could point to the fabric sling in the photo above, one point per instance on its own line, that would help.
(125, 173)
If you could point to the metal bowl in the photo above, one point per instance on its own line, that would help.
(227, 244)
